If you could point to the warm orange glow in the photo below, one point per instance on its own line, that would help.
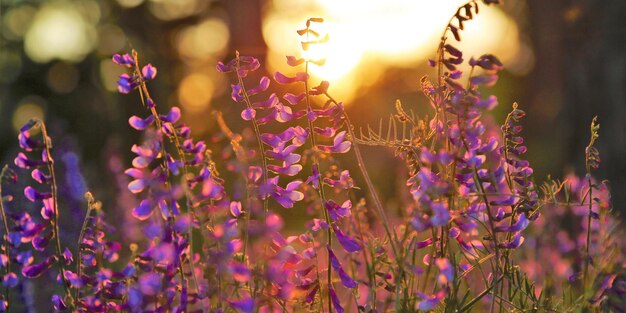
(368, 36)
(206, 39)
(195, 92)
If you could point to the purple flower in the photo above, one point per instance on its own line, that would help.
(164, 254)
(35, 270)
(293, 61)
(521, 224)
(287, 196)
(58, 304)
(515, 243)
(145, 154)
(26, 142)
(124, 60)
(335, 299)
(135, 299)
(326, 131)
(245, 305)
(285, 169)
(225, 68)
(424, 243)
(428, 303)
(344, 182)
(47, 211)
(67, 256)
(240, 272)
(248, 114)
(282, 153)
(310, 297)
(255, 173)
(139, 182)
(269, 103)
(173, 165)
(126, 83)
(340, 145)
(284, 80)
(150, 283)
(336, 211)
(264, 83)
(345, 279)
(211, 189)
(235, 209)
(34, 195)
(348, 243)
(488, 62)
(294, 99)
(446, 271)
(23, 161)
(143, 211)
(73, 279)
(139, 123)
(318, 224)
(39, 176)
(172, 116)
(242, 64)
(237, 93)
(10, 280)
(149, 72)
(322, 88)
(41, 242)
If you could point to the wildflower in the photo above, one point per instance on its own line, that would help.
(348, 243)
(35, 270)
(345, 279)
(124, 60)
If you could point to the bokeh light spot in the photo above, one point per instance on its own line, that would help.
(195, 92)
(62, 77)
(129, 3)
(109, 73)
(16, 21)
(111, 39)
(168, 10)
(59, 31)
(30, 107)
(203, 41)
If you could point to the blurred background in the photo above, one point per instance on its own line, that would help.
(565, 62)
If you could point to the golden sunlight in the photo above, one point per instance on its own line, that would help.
(368, 36)
(59, 31)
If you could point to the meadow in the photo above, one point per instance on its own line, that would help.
(475, 231)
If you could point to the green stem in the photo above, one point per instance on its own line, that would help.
(55, 206)
(368, 181)
(257, 132)
(6, 238)
(588, 242)
(79, 269)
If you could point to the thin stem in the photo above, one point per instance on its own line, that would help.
(368, 181)
(320, 190)
(588, 241)
(493, 232)
(480, 295)
(321, 186)
(79, 269)
(6, 238)
(55, 206)
(257, 133)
